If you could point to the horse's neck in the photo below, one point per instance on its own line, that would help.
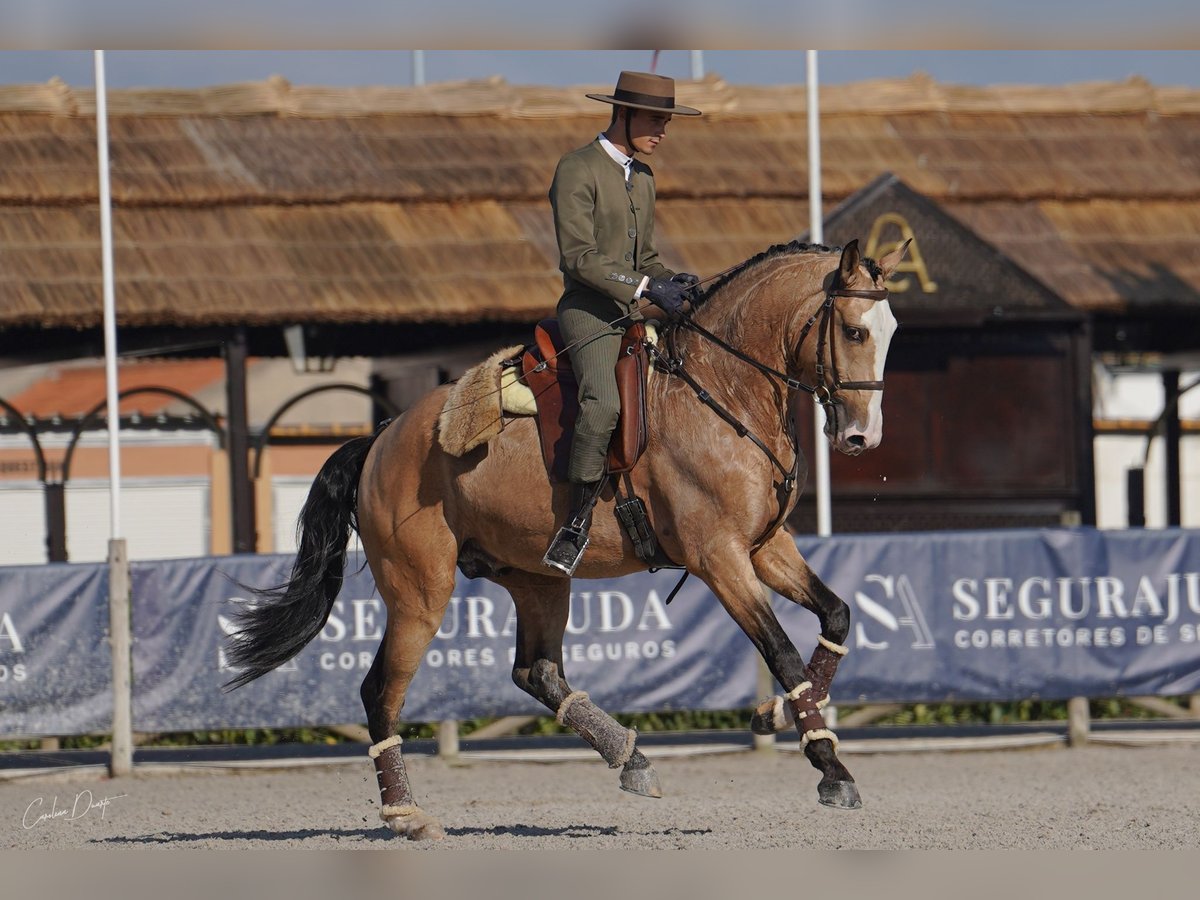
(752, 316)
(755, 311)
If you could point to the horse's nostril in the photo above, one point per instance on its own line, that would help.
(857, 440)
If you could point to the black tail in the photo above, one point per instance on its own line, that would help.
(292, 614)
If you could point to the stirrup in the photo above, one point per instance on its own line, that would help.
(566, 550)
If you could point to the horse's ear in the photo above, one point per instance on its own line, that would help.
(848, 267)
(889, 262)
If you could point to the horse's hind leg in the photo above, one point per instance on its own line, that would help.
(543, 605)
(736, 583)
(416, 595)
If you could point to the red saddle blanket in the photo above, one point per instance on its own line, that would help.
(557, 393)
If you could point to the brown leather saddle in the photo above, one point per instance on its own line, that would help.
(546, 369)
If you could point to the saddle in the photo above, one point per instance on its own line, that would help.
(546, 368)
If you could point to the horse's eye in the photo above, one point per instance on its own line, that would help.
(855, 334)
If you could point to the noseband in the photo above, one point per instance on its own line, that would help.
(825, 391)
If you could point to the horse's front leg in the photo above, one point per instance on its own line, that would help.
(736, 584)
(780, 567)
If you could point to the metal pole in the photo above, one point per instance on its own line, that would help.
(816, 231)
(1172, 438)
(121, 755)
(418, 67)
(697, 64)
(110, 315)
(1135, 497)
(241, 485)
(56, 521)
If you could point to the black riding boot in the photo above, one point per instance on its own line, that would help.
(566, 550)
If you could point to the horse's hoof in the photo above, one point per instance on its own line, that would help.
(839, 794)
(772, 716)
(642, 781)
(413, 823)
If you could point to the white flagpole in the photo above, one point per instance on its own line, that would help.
(110, 305)
(816, 232)
(121, 755)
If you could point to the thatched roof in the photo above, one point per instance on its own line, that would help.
(267, 203)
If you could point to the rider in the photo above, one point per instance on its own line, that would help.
(603, 202)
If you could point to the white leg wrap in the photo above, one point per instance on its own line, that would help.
(798, 690)
(779, 718)
(386, 744)
(817, 735)
(392, 812)
(832, 647)
(630, 740)
(566, 705)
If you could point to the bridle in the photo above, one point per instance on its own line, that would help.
(825, 389)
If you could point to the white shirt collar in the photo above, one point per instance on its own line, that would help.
(625, 162)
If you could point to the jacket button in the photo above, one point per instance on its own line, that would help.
(633, 232)
(628, 257)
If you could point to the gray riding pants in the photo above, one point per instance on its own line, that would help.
(594, 360)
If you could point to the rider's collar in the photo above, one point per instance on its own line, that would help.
(625, 162)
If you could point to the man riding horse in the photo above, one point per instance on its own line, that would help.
(797, 318)
(603, 202)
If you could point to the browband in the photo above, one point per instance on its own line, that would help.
(873, 294)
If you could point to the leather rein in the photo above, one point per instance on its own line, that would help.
(825, 390)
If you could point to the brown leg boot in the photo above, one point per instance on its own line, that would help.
(572, 539)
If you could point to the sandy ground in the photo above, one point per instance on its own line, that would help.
(1093, 797)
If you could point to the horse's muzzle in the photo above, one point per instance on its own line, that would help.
(852, 441)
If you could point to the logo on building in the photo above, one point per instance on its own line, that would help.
(888, 232)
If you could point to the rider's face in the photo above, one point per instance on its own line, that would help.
(647, 129)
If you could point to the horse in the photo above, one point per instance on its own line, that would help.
(717, 483)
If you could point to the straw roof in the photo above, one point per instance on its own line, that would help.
(267, 203)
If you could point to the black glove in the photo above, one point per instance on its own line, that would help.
(667, 295)
(686, 279)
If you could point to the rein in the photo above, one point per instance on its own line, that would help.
(824, 393)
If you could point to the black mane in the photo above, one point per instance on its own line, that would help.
(788, 249)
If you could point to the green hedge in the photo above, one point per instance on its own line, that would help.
(701, 720)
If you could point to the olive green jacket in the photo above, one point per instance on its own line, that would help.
(605, 231)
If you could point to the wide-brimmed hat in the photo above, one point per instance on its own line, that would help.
(643, 90)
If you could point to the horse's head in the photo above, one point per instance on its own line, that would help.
(848, 351)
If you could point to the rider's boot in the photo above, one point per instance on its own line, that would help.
(566, 550)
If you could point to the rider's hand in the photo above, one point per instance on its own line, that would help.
(686, 279)
(667, 295)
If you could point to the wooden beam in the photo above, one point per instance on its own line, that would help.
(1163, 707)
(354, 732)
(237, 424)
(865, 715)
(1079, 722)
(501, 727)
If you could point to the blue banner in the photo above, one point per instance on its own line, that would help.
(55, 667)
(935, 616)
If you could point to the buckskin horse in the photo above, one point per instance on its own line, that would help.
(717, 484)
